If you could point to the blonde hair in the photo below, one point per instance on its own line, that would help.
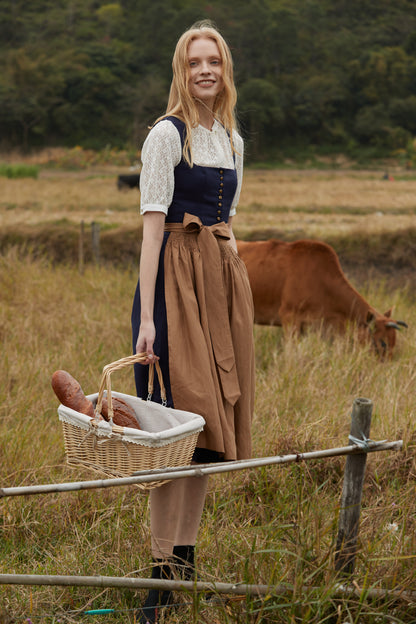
(181, 103)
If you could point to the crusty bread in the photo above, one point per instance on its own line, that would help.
(69, 392)
(124, 415)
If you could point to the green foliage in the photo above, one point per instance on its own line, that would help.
(260, 99)
(319, 72)
(19, 171)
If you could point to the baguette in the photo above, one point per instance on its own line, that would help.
(69, 392)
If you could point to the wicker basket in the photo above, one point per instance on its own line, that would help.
(166, 438)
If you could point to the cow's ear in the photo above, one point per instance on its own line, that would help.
(370, 317)
(388, 313)
(371, 321)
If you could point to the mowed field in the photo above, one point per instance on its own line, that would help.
(270, 526)
(312, 202)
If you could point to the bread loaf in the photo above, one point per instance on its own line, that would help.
(123, 416)
(69, 392)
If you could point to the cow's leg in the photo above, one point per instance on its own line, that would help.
(291, 323)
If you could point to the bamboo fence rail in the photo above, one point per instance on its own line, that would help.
(195, 471)
(235, 589)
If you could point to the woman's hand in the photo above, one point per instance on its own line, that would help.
(145, 341)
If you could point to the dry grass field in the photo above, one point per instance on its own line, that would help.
(313, 202)
(274, 525)
(322, 204)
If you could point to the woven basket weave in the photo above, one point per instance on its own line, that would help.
(167, 436)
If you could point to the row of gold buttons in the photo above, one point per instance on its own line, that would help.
(220, 195)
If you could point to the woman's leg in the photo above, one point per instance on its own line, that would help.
(175, 514)
(156, 599)
(164, 501)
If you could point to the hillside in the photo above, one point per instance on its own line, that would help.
(321, 75)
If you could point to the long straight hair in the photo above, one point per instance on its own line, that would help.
(181, 103)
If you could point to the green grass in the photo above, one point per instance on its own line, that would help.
(19, 171)
(270, 525)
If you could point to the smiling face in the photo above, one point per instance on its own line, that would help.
(204, 70)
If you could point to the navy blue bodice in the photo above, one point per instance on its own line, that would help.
(207, 192)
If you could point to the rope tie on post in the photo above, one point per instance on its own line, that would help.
(364, 443)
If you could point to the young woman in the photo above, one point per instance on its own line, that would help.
(193, 306)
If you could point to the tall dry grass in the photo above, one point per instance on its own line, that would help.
(271, 525)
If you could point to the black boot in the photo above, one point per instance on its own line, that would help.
(156, 598)
(184, 561)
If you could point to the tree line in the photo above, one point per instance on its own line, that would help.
(334, 73)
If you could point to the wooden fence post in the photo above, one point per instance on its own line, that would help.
(95, 234)
(81, 249)
(349, 516)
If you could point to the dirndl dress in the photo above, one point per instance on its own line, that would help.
(203, 314)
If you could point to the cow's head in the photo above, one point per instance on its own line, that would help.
(382, 330)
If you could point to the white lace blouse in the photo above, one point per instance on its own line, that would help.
(162, 151)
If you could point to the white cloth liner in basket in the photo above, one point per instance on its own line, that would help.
(159, 425)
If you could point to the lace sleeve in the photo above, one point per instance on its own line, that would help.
(239, 160)
(160, 154)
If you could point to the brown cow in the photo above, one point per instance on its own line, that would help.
(301, 284)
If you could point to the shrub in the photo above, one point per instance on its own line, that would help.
(19, 171)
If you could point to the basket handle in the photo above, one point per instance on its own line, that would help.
(122, 363)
